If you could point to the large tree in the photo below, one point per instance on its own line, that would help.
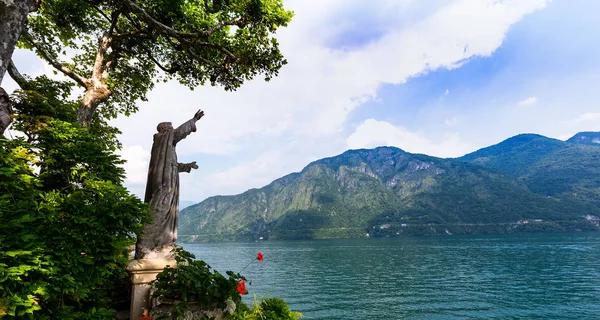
(115, 50)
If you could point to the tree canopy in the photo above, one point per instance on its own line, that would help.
(116, 50)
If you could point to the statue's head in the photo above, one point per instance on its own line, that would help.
(164, 127)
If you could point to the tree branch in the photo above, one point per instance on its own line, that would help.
(121, 36)
(113, 21)
(158, 63)
(235, 22)
(215, 46)
(203, 59)
(211, 45)
(99, 69)
(55, 63)
(166, 30)
(224, 69)
(163, 68)
(112, 61)
(157, 24)
(17, 76)
(135, 23)
(102, 13)
(216, 7)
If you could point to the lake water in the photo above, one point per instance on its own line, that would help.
(534, 276)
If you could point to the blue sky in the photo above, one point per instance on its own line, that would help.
(550, 54)
(441, 77)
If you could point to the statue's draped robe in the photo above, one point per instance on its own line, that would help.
(162, 193)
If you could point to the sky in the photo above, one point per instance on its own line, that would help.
(439, 77)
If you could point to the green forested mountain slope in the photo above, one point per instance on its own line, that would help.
(589, 138)
(385, 191)
(567, 170)
(515, 156)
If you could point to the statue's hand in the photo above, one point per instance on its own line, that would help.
(186, 167)
(199, 115)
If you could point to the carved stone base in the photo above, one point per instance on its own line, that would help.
(165, 252)
(142, 272)
(166, 309)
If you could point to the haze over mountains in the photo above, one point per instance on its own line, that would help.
(526, 183)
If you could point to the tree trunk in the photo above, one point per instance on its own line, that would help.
(13, 17)
(97, 90)
(96, 93)
(5, 111)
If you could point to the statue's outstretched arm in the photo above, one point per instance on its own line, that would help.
(186, 167)
(187, 127)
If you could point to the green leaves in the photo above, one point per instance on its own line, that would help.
(193, 281)
(65, 231)
(121, 45)
(270, 308)
(22, 263)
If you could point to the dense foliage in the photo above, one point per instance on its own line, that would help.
(564, 170)
(586, 137)
(117, 49)
(193, 281)
(267, 309)
(388, 192)
(66, 221)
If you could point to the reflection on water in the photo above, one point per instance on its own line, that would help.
(542, 276)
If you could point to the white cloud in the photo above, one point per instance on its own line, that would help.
(244, 175)
(310, 100)
(456, 32)
(319, 87)
(451, 121)
(373, 133)
(308, 104)
(136, 166)
(527, 102)
(588, 121)
(447, 92)
(259, 171)
(589, 116)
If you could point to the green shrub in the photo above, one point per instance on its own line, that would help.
(65, 231)
(267, 309)
(193, 281)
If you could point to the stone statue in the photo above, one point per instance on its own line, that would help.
(162, 190)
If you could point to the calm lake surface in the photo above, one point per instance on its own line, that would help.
(534, 276)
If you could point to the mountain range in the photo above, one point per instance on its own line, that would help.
(527, 183)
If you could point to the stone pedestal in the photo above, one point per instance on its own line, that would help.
(166, 310)
(142, 272)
